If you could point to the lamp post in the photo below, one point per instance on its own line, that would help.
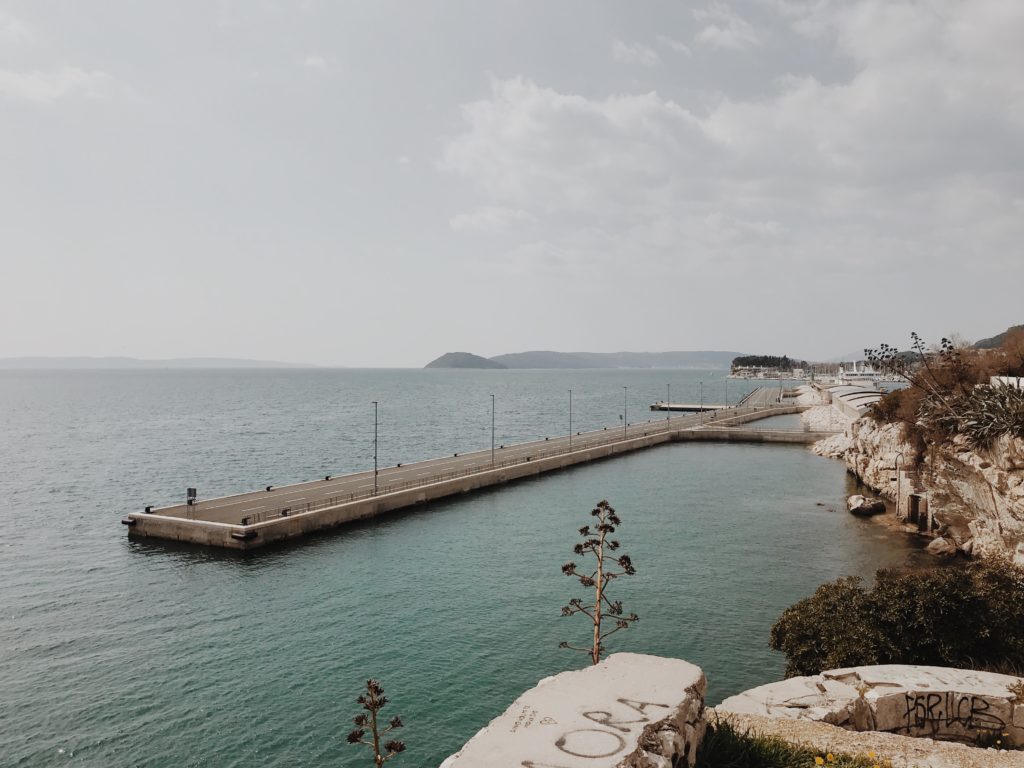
(899, 463)
(374, 447)
(492, 430)
(625, 412)
(700, 409)
(570, 420)
(726, 381)
(668, 403)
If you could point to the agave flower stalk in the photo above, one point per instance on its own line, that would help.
(596, 542)
(373, 701)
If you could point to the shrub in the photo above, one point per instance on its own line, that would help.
(963, 616)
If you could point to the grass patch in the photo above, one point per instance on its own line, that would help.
(725, 747)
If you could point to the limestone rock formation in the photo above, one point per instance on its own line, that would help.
(934, 702)
(629, 711)
(975, 495)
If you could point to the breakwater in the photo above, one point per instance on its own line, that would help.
(252, 520)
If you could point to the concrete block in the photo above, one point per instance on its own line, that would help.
(631, 711)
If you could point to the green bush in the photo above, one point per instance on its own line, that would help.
(963, 616)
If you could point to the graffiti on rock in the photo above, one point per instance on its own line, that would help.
(595, 743)
(939, 711)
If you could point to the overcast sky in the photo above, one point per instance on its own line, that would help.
(376, 183)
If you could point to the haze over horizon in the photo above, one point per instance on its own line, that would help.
(376, 184)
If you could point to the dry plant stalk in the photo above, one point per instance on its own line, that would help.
(597, 543)
(373, 701)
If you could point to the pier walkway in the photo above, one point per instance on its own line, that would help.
(252, 519)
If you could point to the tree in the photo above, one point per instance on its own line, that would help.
(373, 701)
(597, 543)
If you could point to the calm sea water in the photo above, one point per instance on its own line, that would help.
(116, 653)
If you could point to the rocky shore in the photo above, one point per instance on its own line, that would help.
(975, 497)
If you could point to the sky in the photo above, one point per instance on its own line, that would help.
(375, 183)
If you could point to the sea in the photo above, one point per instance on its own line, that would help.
(116, 652)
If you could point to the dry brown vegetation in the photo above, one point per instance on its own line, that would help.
(949, 393)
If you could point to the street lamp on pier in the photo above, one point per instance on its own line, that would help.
(668, 403)
(570, 420)
(700, 408)
(492, 430)
(374, 447)
(625, 412)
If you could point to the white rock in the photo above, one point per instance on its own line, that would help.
(935, 702)
(941, 547)
(631, 710)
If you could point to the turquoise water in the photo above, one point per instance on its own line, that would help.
(120, 653)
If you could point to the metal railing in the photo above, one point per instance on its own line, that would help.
(650, 428)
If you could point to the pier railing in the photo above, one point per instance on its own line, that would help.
(589, 440)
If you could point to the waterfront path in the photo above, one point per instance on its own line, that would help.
(254, 518)
(257, 506)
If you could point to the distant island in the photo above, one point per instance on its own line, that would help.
(133, 363)
(704, 360)
(463, 360)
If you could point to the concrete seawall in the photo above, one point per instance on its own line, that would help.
(253, 536)
(300, 523)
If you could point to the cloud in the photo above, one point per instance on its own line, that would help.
(492, 219)
(314, 61)
(913, 161)
(537, 149)
(674, 45)
(634, 54)
(13, 31)
(725, 28)
(48, 87)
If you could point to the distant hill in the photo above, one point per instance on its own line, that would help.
(998, 339)
(545, 359)
(132, 363)
(462, 360)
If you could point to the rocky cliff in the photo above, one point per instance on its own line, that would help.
(975, 496)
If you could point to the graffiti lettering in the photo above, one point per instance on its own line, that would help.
(605, 718)
(607, 744)
(933, 711)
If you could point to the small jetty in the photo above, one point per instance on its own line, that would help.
(254, 519)
(687, 407)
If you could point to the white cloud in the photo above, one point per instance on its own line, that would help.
(491, 218)
(674, 45)
(725, 28)
(536, 149)
(13, 31)
(47, 87)
(314, 61)
(634, 53)
(915, 159)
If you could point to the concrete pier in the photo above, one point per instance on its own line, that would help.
(254, 519)
(687, 407)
